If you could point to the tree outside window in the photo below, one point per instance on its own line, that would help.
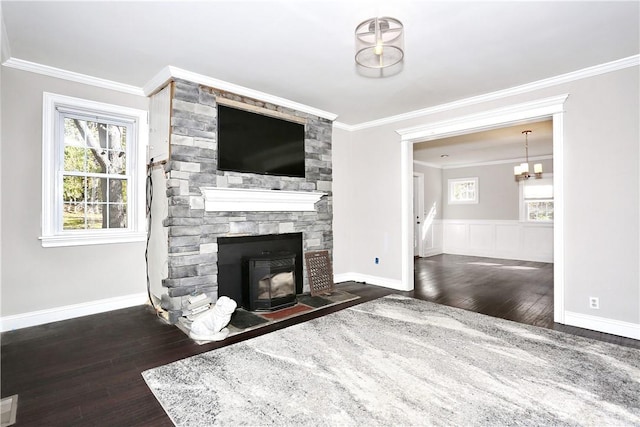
(95, 183)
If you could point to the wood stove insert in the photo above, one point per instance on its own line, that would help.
(269, 281)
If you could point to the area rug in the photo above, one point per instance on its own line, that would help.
(402, 361)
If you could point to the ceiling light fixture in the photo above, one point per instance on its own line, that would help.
(521, 172)
(379, 42)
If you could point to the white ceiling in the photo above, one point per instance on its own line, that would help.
(488, 146)
(303, 50)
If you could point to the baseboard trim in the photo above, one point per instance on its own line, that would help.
(40, 317)
(432, 252)
(497, 255)
(372, 280)
(602, 324)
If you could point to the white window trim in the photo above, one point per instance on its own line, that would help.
(453, 181)
(51, 235)
(523, 209)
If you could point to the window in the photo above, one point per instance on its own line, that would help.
(93, 172)
(536, 200)
(463, 190)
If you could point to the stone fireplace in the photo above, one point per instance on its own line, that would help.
(206, 204)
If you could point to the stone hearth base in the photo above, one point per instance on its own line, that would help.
(243, 320)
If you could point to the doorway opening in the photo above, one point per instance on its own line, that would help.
(548, 108)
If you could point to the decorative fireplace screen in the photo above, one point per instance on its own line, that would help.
(270, 281)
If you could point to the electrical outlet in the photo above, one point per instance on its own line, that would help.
(377, 260)
(594, 302)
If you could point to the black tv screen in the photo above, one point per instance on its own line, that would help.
(255, 143)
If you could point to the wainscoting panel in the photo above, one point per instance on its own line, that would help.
(481, 237)
(432, 241)
(455, 235)
(507, 238)
(538, 241)
(498, 239)
(437, 238)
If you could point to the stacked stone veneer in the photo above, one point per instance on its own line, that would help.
(193, 232)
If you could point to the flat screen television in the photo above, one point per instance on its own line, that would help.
(254, 143)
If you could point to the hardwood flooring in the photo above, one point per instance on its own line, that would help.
(86, 371)
(521, 291)
(514, 290)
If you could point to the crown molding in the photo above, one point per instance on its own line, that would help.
(427, 164)
(344, 126)
(169, 73)
(497, 162)
(158, 82)
(21, 64)
(484, 120)
(488, 163)
(595, 70)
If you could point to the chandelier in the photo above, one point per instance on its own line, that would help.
(379, 42)
(521, 172)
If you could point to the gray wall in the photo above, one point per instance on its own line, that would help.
(499, 194)
(340, 154)
(369, 183)
(602, 229)
(33, 277)
(601, 158)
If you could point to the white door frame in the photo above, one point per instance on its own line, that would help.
(507, 116)
(420, 177)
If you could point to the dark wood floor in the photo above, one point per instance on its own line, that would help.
(86, 371)
(521, 291)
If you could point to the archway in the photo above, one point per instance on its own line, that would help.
(511, 115)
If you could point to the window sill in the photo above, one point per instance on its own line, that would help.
(92, 239)
(463, 202)
(529, 223)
